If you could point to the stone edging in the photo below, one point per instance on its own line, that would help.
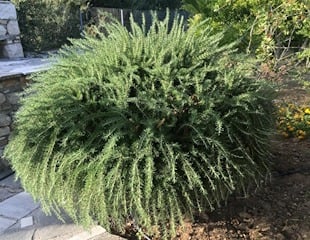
(10, 87)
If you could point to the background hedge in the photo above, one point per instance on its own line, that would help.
(47, 25)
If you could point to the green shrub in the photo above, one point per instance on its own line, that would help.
(270, 28)
(153, 126)
(46, 25)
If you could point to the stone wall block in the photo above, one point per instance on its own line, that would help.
(4, 131)
(13, 98)
(3, 21)
(13, 28)
(4, 141)
(13, 84)
(7, 10)
(2, 98)
(5, 120)
(9, 83)
(14, 50)
(2, 30)
(5, 107)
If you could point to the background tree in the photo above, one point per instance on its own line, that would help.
(272, 29)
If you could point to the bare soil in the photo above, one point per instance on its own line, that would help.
(277, 211)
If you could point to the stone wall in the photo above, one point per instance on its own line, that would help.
(10, 87)
(10, 44)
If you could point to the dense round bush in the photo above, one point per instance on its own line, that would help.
(152, 125)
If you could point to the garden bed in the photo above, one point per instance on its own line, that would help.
(280, 210)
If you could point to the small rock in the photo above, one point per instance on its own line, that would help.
(13, 28)
(244, 215)
(5, 120)
(265, 229)
(14, 50)
(2, 98)
(2, 30)
(243, 226)
(26, 222)
(4, 131)
(13, 98)
(250, 222)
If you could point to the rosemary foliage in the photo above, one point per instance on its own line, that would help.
(151, 124)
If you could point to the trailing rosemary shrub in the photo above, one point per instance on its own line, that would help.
(147, 125)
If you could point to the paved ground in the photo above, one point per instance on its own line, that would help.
(22, 219)
(23, 66)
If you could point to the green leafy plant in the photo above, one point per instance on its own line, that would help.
(151, 125)
(47, 25)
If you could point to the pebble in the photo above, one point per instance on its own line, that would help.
(279, 236)
(244, 215)
(265, 229)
